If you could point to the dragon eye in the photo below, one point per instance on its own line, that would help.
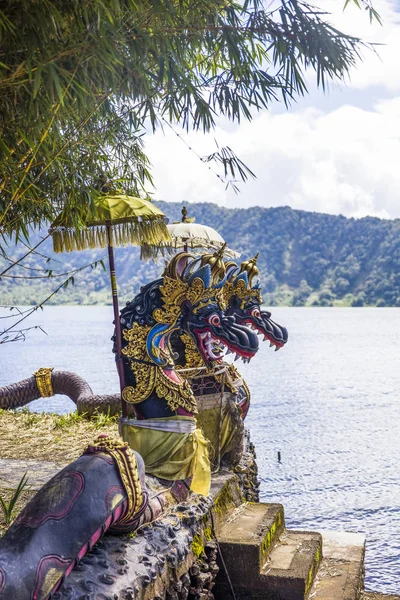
(214, 320)
(255, 312)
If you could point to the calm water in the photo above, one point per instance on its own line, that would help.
(328, 402)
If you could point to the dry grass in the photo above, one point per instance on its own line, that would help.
(57, 438)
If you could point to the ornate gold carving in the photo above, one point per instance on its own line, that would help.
(240, 290)
(250, 267)
(175, 291)
(176, 394)
(43, 381)
(136, 338)
(127, 466)
(216, 263)
(193, 357)
(151, 378)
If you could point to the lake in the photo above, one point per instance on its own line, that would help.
(328, 402)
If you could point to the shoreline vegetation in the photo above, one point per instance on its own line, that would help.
(306, 259)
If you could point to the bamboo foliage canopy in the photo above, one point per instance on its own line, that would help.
(81, 81)
(116, 219)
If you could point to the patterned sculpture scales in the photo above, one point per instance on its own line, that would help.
(189, 407)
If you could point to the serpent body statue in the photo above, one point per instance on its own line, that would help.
(66, 383)
(103, 490)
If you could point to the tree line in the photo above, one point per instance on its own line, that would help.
(306, 259)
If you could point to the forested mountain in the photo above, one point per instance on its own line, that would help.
(305, 258)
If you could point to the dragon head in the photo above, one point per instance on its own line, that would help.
(213, 332)
(243, 300)
(193, 301)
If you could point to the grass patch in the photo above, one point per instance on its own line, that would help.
(46, 436)
(20, 503)
(8, 507)
(60, 439)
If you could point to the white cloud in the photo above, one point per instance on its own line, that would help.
(343, 159)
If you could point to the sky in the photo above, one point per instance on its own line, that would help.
(336, 152)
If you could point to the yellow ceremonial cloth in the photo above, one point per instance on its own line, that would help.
(172, 455)
(208, 419)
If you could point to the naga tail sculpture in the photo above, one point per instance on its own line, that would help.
(102, 490)
(188, 298)
(46, 383)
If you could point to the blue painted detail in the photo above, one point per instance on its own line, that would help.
(220, 284)
(189, 267)
(204, 273)
(153, 342)
(244, 277)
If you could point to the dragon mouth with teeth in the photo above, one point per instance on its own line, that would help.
(214, 343)
(260, 321)
(275, 334)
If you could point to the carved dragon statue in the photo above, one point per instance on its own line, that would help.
(188, 298)
(185, 320)
(105, 489)
(222, 395)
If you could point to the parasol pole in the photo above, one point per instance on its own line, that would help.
(183, 220)
(118, 339)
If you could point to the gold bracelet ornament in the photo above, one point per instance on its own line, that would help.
(43, 381)
(126, 463)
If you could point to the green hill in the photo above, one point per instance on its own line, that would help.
(305, 258)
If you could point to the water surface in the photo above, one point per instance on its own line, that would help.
(328, 402)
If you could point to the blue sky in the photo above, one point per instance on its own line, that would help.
(337, 152)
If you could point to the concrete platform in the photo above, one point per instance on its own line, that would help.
(250, 521)
(375, 596)
(263, 560)
(247, 536)
(292, 565)
(341, 574)
(38, 472)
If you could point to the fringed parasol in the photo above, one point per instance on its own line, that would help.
(133, 221)
(117, 220)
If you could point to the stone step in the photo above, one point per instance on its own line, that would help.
(226, 495)
(247, 537)
(341, 573)
(291, 566)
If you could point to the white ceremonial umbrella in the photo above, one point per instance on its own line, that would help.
(187, 234)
